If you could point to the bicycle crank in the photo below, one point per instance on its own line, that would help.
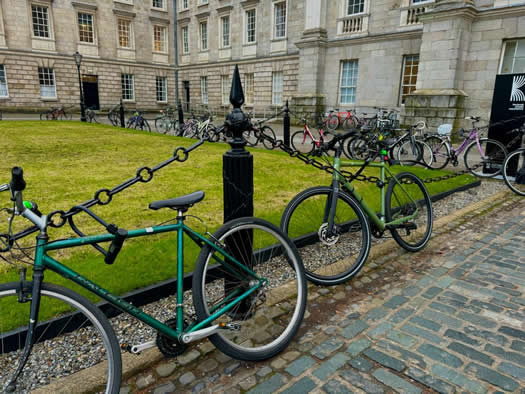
(325, 237)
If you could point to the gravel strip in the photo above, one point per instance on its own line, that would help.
(83, 350)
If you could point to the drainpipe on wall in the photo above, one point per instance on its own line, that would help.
(176, 62)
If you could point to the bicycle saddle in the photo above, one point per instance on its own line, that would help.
(444, 129)
(179, 203)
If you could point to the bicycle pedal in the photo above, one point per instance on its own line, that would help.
(137, 349)
(230, 326)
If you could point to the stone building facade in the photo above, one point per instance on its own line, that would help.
(127, 48)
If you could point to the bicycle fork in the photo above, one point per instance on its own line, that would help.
(328, 231)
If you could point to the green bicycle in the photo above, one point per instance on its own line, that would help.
(332, 226)
(249, 296)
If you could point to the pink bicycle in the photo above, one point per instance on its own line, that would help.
(304, 141)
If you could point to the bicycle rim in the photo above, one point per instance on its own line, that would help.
(488, 162)
(440, 152)
(328, 258)
(404, 198)
(409, 153)
(268, 319)
(512, 174)
(81, 339)
(267, 131)
(301, 142)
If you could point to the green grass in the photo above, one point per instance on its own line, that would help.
(65, 163)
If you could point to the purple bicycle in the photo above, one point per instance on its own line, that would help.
(483, 157)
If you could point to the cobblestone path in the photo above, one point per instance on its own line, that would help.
(448, 319)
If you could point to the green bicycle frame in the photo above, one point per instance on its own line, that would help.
(42, 261)
(377, 220)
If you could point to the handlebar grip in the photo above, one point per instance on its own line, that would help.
(116, 245)
(17, 181)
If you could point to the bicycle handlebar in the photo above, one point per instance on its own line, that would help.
(18, 183)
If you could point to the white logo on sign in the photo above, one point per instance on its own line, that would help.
(517, 94)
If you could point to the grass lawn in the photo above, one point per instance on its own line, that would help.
(65, 163)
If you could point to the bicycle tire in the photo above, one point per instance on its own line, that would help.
(440, 152)
(302, 142)
(399, 205)
(496, 156)
(66, 116)
(268, 132)
(114, 119)
(43, 116)
(408, 153)
(361, 149)
(516, 160)
(250, 138)
(328, 261)
(332, 122)
(63, 361)
(349, 124)
(266, 329)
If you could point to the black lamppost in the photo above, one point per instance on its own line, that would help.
(78, 61)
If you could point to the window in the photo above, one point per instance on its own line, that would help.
(85, 28)
(183, 4)
(248, 88)
(355, 6)
(203, 1)
(348, 81)
(124, 33)
(277, 88)
(409, 77)
(225, 31)
(47, 82)
(185, 42)
(128, 87)
(161, 84)
(280, 20)
(158, 4)
(225, 88)
(40, 21)
(159, 38)
(204, 90)
(3, 82)
(250, 26)
(513, 57)
(204, 35)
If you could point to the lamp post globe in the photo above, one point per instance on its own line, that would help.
(78, 61)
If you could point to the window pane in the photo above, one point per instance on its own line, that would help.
(277, 88)
(225, 23)
(204, 90)
(185, 43)
(159, 38)
(226, 87)
(355, 6)
(161, 88)
(40, 21)
(85, 27)
(409, 77)
(46, 78)
(519, 65)
(348, 82)
(204, 36)
(3, 82)
(280, 20)
(124, 33)
(128, 88)
(158, 3)
(250, 26)
(248, 88)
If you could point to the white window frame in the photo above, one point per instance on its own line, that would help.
(164, 41)
(249, 88)
(203, 2)
(132, 87)
(221, 30)
(347, 3)
(204, 89)
(225, 89)
(164, 91)
(246, 27)
(274, 22)
(131, 35)
(93, 20)
(202, 47)
(50, 30)
(5, 83)
(185, 43)
(402, 84)
(277, 91)
(163, 8)
(184, 5)
(341, 87)
(512, 71)
(46, 97)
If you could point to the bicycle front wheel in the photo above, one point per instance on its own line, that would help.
(409, 153)
(66, 342)
(269, 317)
(489, 161)
(514, 172)
(440, 152)
(267, 131)
(330, 256)
(302, 142)
(332, 122)
(408, 203)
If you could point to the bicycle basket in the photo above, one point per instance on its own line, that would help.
(445, 129)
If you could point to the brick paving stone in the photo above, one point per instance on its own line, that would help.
(330, 366)
(440, 355)
(459, 379)
(404, 354)
(357, 346)
(401, 315)
(442, 308)
(518, 345)
(376, 314)
(270, 385)
(411, 291)
(420, 321)
(509, 356)
(428, 380)
(453, 334)
(361, 364)
(395, 302)
(486, 335)
(188, 357)
(304, 385)
(419, 332)
(512, 370)
(326, 348)
(380, 330)
(357, 380)
(187, 378)
(493, 377)
(230, 369)
(264, 371)
(471, 353)
(198, 388)
(300, 365)
(384, 359)
(248, 383)
(145, 381)
(513, 332)
(278, 363)
(441, 318)
(354, 329)
(335, 387)
(165, 388)
(394, 381)
(208, 365)
(166, 369)
(432, 292)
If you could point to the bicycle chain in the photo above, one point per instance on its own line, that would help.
(104, 196)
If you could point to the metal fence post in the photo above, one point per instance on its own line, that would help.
(181, 112)
(121, 111)
(286, 124)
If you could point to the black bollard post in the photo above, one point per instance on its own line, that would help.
(238, 188)
(181, 113)
(286, 124)
(122, 120)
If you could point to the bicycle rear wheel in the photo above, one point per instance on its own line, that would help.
(488, 162)
(270, 317)
(267, 131)
(250, 138)
(302, 142)
(440, 152)
(329, 259)
(332, 122)
(514, 172)
(404, 198)
(65, 344)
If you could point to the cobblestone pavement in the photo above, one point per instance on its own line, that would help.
(448, 319)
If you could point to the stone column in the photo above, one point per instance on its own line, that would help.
(439, 96)
(312, 52)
